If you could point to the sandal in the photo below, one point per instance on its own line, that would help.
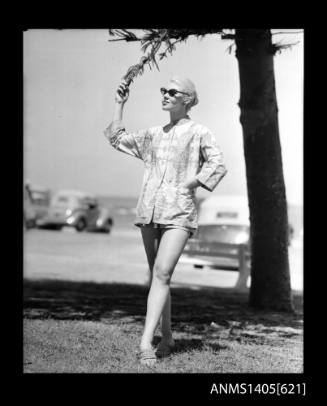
(147, 357)
(164, 349)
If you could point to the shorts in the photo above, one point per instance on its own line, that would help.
(159, 225)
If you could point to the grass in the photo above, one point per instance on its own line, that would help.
(77, 327)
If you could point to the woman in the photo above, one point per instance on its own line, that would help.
(178, 158)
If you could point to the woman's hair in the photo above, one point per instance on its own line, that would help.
(187, 86)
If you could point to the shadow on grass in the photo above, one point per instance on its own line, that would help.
(215, 313)
(189, 344)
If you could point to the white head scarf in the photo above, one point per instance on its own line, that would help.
(187, 86)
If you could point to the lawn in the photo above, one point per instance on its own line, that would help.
(90, 327)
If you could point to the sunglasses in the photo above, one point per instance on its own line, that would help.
(171, 92)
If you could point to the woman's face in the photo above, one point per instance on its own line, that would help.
(174, 102)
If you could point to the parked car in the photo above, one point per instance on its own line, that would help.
(222, 219)
(41, 197)
(36, 203)
(28, 209)
(74, 208)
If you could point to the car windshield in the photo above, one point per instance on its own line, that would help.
(41, 198)
(226, 233)
(64, 201)
(60, 200)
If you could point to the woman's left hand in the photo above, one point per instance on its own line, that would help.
(191, 185)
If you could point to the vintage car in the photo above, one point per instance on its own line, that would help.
(223, 227)
(36, 203)
(223, 224)
(29, 211)
(74, 208)
(41, 197)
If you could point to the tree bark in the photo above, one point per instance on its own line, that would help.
(270, 275)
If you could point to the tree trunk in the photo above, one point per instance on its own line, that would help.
(270, 275)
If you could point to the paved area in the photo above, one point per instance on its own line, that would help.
(117, 257)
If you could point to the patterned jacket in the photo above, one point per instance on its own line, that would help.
(171, 157)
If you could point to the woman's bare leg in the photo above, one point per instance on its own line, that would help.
(166, 331)
(171, 247)
(151, 239)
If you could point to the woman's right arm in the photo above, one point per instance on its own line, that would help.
(121, 97)
(130, 143)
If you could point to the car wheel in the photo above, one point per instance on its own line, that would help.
(29, 224)
(58, 228)
(80, 225)
(108, 226)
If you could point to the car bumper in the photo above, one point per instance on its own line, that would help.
(212, 262)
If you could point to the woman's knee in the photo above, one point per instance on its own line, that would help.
(162, 273)
(149, 276)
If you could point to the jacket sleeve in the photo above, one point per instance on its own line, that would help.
(213, 168)
(135, 144)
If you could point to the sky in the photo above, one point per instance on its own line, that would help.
(70, 79)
